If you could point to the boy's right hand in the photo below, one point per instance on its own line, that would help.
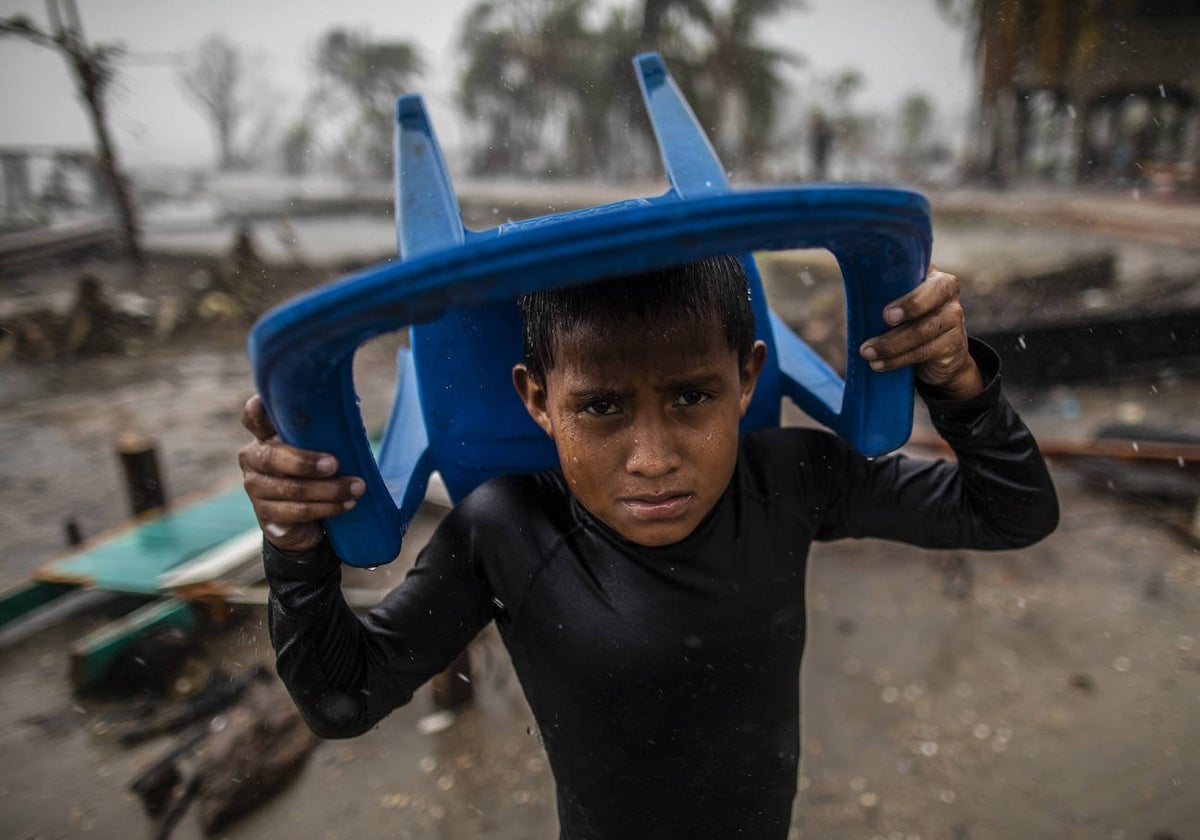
(291, 489)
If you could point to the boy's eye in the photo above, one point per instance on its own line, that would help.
(692, 398)
(602, 408)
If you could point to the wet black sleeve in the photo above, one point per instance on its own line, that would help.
(345, 673)
(997, 494)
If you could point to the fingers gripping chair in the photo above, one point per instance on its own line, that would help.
(455, 410)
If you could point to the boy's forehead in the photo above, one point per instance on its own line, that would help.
(636, 342)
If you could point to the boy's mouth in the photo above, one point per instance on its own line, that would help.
(657, 506)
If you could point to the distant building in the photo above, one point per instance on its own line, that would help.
(36, 180)
(1107, 92)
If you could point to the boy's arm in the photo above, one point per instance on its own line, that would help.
(997, 495)
(344, 673)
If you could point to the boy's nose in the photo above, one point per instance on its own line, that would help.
(652, 452)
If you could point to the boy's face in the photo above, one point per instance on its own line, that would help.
(645, 422)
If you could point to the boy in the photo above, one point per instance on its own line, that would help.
(651, 590)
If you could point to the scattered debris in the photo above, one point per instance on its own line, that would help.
(150, 662)
(219, 692)
(227, 768)
(1082, 682)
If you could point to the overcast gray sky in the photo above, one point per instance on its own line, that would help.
(900, 46)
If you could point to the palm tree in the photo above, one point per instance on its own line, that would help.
(746, 80)
(371, 74)
(528, 63)
(551, 88)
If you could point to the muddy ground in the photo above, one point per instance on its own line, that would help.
(1048, 693)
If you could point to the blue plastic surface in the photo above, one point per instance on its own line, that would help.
(456, 411)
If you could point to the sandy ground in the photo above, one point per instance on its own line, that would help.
(1049, 693)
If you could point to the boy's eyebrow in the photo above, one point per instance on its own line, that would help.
(690, 382)
(600, 392)
(684, 382)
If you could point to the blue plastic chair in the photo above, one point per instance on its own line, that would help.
(455, 409)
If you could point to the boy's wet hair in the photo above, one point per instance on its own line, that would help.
(711, 289)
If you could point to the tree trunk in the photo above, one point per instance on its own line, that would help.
(89, 88)
(225, 147)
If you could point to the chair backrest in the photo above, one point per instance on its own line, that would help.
(456, 411)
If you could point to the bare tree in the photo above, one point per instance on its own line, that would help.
(214, 75)
(92, 67)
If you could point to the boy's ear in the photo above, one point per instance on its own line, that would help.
(754, 366)
(533, 394)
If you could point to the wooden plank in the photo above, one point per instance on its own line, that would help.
(93, 655)
(217, 562)
(356, 598)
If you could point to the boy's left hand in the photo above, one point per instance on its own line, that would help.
(928, 333)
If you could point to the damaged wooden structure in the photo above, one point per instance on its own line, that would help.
(1101, 92)
(194, 558)
(150, 557)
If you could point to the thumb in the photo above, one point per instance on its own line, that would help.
(255, 419)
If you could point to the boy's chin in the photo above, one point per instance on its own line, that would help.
(654, 534)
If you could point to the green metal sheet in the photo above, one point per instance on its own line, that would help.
(132, 560)
(25, 597)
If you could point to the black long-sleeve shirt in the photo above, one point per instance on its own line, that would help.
(664, 680)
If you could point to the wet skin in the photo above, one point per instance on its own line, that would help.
(645, 422)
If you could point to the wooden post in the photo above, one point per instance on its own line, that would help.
(139, 459)
(72, 532)
(452, 688)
